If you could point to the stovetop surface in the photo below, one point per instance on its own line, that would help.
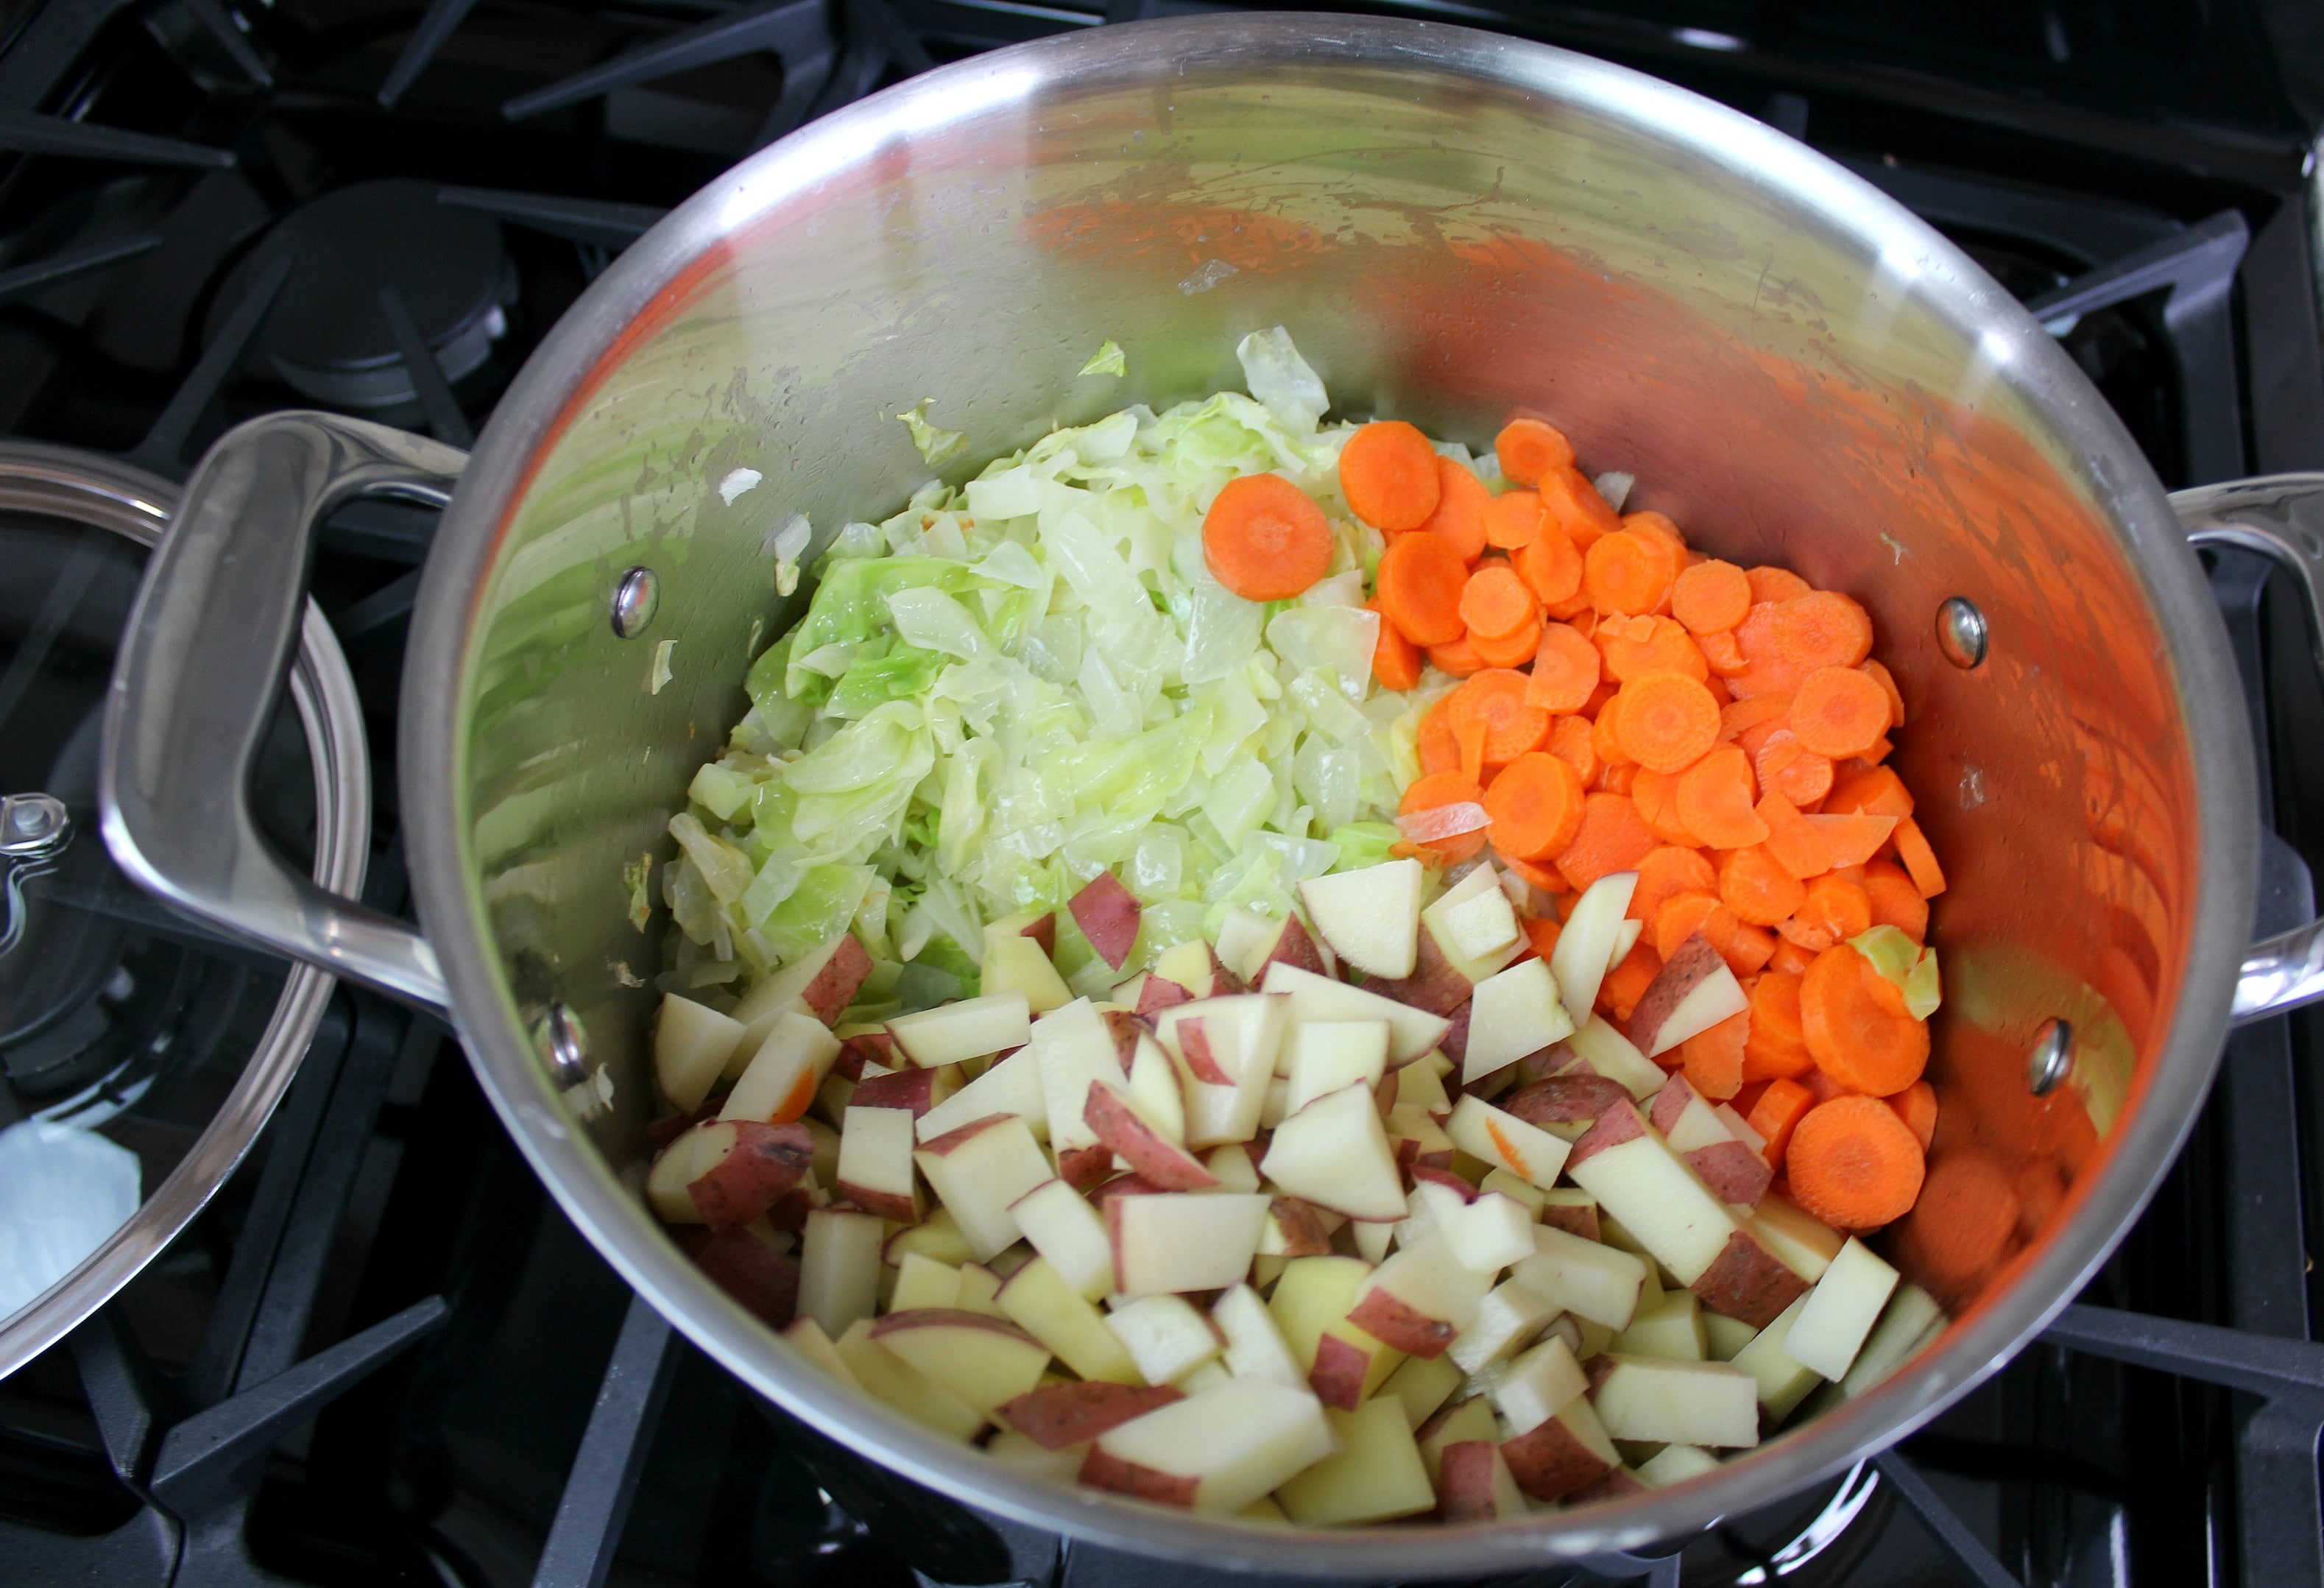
(219, 209)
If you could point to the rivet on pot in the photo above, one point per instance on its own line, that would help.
(634, 601)
(563, 1045)
(2051, 1057)
(1960, 632)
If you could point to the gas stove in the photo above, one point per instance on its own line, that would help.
(382, 1355)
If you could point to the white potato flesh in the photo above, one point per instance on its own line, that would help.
(970, 1029)
(1369, 917)
(1656, 1400)
(691, 1045)
(1585, 944)
(1840, 1311)
(1501, 1138)
(1513, 1014)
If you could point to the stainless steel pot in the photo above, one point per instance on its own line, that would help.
(1453, 226)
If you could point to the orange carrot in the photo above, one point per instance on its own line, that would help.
(1820, 629)
(1795, 842)
(1438, 750)
(1541, 936)
(1853, 839)
(1774, 584)
(1856, 1025)
(1529, 449)
(1395, 660)
(1656, 526)
(1459, 519)
(1513, 519)
(1724, 657)
(1881, 676)
(1539, 872)
(1715, 802)
(1757, 887)
(1669, 870)
(1684, 915)
(1854, 1164)
(1668, 721)
(1834, 909)
(1421, 579)
(1437, 788)
(1894, 901)
(1657, 795)
(1627, 983)
(1264, 539)
(1513, 649)
(1747, 952)
(1872, 791)
(1564, 669)
(1790, 959)
(1784, 764)
(1606, 734)
(1496, 697)
(1626, 572)
(1569, 741)
(1920, 860)
(1714, 1059)
(1611, 838)
(1573, 505)
(1615, 777)
(1633, 646)
(1743, 715)
(1776, 1047)
(1494, 600)
(1837, 711)
(1916, 1105)
(1469, 732)
(1777, 1114)
(1712, 597)
(1537, 804)
(1550, 565)
(1456, 657)
(1388, 473)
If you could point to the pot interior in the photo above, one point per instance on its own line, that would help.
(1453, 229)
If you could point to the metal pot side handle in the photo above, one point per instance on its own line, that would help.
(2281, 518)
(208, 643)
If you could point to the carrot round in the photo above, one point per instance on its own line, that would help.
(1456, 657)
(1421, 579)
(1754, 884)
(1536, 805)
(1856, 1025)
(1724, 656)
(1777, 1047)
(1793, 840)
(1529, 449)
(1541, 936)
(1438, 750)
(1611, 838)
(1786, 765)
(1496, 697)
(1564, 669)
(1872, 791)
(1573, 505)
(1838, 711)
(1626, 572)
(1669, 870)
(1748, 951)
(1616, 777)
(1469, 734)
(1790, 959)
(1388, 473)
(1606, 734)
(1713, 1058)
(1920, 860)
(1669, 721)
(1712, 597)
(1513, 519)
(1820, 629)
(1834, 910)
(1715, 801)
(1637, 645)
(1550, 565)
(1685, 914)
(1774, 584)
(1569, 741)
(1494, 600)
(1894, 901)
(1916, 1105)
(1872, 668)
(1512, 650)
(1450, 788)
(1395, 660)
(1540, 873)
(1656, 526)
(1459, 518)
(1777, 1113)
(1854, 1164)
(1627, 983)
(1264, 539)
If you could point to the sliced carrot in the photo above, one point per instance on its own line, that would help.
(1529, 449)
(1456, 657)
(1837, 711)
(1421, 579)
(1388, 473)
(1916, 1105)
(1774, 584)
(1853, 839)
(1626, 572)
(1496, 697)
(1790, 959)
(1634, 646)
(1920, 860)
(1881, 676)
(1777, 1113)
(1724, 657)
(1684, 915)
(1820, 629)
(1757, 887)
(1459, 519)
(1715, 801)
(1395, 660)
(1718, 687)
(1834, 910)
(1792, 838)
(1539, 872)
(1874, 790)
(1658, 526)
(1777, 1046)
(1264, 539)
(1743, 715)
(1668, 871)
(1615, 777)
(1569, 741)
(1438, 750)
(1573, 505)
(1714, 1059)
(1564, 669)
(1550, 565)
(1657, 794)
(1627, 983)
(1854, 1164)
(1611, 838)
(1494, 600)
(1536, 803)
(1513, 649)
(1712, 597)
(1470, 733)
(1856, 1025)
(1824, 1087)
(1513, 519)
(1541, 936)
(1875, 752)
(1749, 950)
(1784, 763)
(1427, 793)
(1894, 901)
(1668, 721)
(1606, 734)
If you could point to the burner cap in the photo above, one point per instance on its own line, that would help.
(328, 337)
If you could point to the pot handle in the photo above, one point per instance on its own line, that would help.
(208, 643)
(2281, 518)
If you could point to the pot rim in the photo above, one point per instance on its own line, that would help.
(444, 656)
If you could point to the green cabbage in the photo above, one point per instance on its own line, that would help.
(1912, 968)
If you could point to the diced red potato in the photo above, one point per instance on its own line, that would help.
(1433, 985)
(1293, 1229)
(761, 1277)
(1474, 1484)
(1108, 915)
(1371, 917)
(765, 1162)
(1057, 1414)
(916, 1091)
(1736, 1174)
(1563, 1455)
(1693, 992)
(1565, 1105)
(691, 1045)
(1148, 1152)
(1158, 993)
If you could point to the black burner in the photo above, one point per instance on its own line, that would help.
(355, 254)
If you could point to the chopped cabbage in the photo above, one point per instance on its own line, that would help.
(1910, 968)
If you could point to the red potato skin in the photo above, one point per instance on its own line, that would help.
(789, 1210)
(1108, 914)
(1549, 1462)
(1669, 1102)
(1125, 1029)
(1393, 1320)
(1596, 1370)
(1083, 1167)
(1464, 1481)
(1194, 1043)
(1295, 946)
(952, 1141)
(764, 1281)
(1338, 1376)
(1101, 1471)
(892, 1206)
(1438, 1418)
(1059, 1415)
(1159, 993)
(917, 1090)
(1126, 1185)
(1619, 1123)
(1695, 960)
(1301, 1226)
(867, 1048)
(1748, 1283)
(948, 1318)
(1573, 1221)
(1566, 1329)
(1044, 931)
(1149, 1154)
(1566, 1098)
(835, 985)
(765, 1161)
(670, 1127)
(1224, 981)
(1439, 1175)
(1733, 1171)
(1433, 985)
(1454, 1043)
